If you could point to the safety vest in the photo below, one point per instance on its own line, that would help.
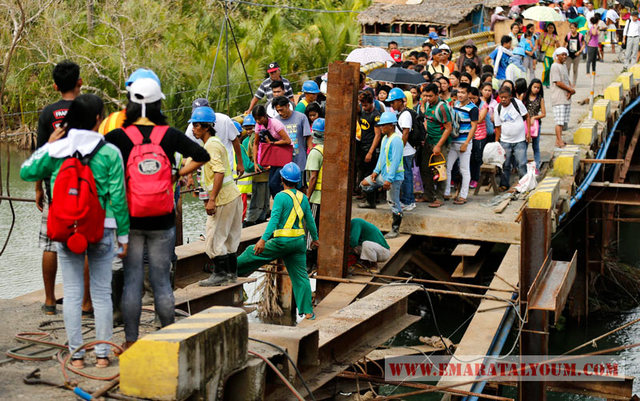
(387, 150)
(113, 121)
(228, 175)
(296, 214)
(245, 184)
(318, 186)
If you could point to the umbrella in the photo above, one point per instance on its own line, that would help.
(601, 11)
(540, 13)
(523, 2)
(368, 55)
(626, 3)
(397, 75)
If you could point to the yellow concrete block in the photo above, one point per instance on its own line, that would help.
(626, 78)
(566, 164)
(186, 358)
(585, 134)
(613, 92)
(546, 194)
(601, 110)
(635, 70)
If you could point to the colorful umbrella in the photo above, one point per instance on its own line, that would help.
(368, 55)
(397, 75)
(541, 13)
(523, 2)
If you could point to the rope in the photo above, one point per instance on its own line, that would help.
(64, 362)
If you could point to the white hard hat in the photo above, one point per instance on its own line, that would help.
(499, 10)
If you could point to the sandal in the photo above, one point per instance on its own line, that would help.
(459, 201)
(102, 362)
(448, 197)
(49, 309)
(312, 317)
(436, 203)
(77, 363)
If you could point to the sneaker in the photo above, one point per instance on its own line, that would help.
(473, 184)
(407, 208)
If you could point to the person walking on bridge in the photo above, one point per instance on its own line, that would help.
(389, 172)
(285, 238)
(631, 38)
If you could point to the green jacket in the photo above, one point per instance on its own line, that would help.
(107, 168)
(282, 205)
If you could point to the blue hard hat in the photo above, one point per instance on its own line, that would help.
(310, 87)
(248, 120)
(388, 117)
(142, 73)
(291, 172)
(203, 114)
(238, 126)
(396, 94)
(318, 125)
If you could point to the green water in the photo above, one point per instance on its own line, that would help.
(20, 274)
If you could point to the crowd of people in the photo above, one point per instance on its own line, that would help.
(108, 189)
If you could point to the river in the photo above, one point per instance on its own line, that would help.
(20, 273)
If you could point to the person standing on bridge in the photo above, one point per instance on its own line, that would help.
(561, 92)
(285, 238)
(223, 203)
(631, 38)
(273, 69)
(389, 172)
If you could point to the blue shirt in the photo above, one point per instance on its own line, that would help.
(504, 62)
(391, 151)
(466, 114)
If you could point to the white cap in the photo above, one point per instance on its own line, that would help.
(499, 10)
(144, 91)
(560, 50)
(445, 46)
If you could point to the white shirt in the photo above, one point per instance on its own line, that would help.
(226, 131)
(404, 121)
(588, 15)
(512, 122)
(632, 28)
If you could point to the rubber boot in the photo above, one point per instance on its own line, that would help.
(395, 226)
(370, 200)
(219, 275)
(232, 267)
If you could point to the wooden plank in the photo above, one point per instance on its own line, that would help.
(345, 293)
(478, 338)
(339, 165)
(466, 250)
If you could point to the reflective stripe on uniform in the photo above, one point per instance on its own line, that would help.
(318, 186)
(113, 121)
(386, 154)
(245, 185)
(296, 214)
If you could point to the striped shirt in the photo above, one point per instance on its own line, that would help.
(466, 114)
(265, 89)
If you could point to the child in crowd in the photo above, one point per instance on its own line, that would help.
(534, 101)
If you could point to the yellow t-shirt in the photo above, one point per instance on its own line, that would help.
(219, 163)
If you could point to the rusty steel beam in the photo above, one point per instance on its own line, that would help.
(551, 287)
(338, 172)
(614, 196)
(534, 248)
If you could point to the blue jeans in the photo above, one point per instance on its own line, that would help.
(275, 183)
(160, 245)
(396, 208)
(535, 145)
(406, 191)
(100, 257)
(518, 152)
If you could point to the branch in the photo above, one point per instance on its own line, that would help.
(17, 33)
(104, 94)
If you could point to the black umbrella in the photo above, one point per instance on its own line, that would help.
(627, 3)
(397, 75)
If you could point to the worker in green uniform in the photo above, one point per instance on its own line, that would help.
(284, 238)
(368, 242)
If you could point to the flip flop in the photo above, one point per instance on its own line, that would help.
(102, 362)
(460, 201)
(313, 316)
(49, 309)
(77, 363)
(436, 203)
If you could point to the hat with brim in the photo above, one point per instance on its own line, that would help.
(144, 91)
(273, 67)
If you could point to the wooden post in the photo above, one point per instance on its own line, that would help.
(338, 172)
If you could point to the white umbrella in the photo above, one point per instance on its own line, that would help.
(368, 55)
(542, 13)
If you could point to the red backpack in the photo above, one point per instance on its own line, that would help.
(76, 216)
(148, 174)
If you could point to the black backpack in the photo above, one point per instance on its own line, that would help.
(417, 134)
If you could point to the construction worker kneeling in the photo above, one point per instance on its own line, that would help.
(222, 202)
(284, 238)
(389, 171)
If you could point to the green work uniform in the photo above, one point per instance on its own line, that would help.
(285, 239)
(362, 230)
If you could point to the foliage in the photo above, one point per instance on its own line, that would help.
(177, 39)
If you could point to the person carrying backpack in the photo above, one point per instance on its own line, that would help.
(404, 128)
(148, 145)
(88, 192)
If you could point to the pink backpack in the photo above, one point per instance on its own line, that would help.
(148, 174)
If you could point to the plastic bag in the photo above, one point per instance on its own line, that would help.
(528, 181)
(493, 154)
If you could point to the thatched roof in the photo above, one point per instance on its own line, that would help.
(437, 12)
